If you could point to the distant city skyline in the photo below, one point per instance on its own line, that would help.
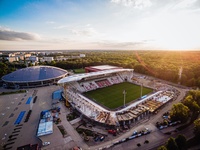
(99, 24)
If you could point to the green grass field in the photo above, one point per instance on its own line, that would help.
(81, 70)
(113, 97)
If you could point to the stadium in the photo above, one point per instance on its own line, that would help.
(36, 76)
(111, 96)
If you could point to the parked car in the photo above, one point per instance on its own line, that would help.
(146, 131)
(134, 132)
(112, 131)
(139, 134)
(161, 127)
(96, 138)
(46, 143)
(174, 123)
(116, 142)
(102, 138)
(123, 140)
(132, 137)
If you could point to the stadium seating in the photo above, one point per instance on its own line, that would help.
(85, 86)
(103, 83)
(130, 113)
(115, 80)
(149, 105)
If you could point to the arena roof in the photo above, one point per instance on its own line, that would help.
(78, 77)
(34, 74)
(104, 67)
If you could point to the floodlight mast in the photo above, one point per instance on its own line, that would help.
(124, 92)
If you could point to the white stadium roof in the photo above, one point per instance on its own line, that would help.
(78, 77)
(104, 67)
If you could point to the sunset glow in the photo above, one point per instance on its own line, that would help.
(100, 24)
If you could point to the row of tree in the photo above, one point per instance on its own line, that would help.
(174, 66)
(6, 67)
(177, 67)
(178, 143)
(189, 108)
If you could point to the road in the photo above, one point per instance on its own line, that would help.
(153, 137)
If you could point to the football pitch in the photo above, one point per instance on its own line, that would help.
(113, 97)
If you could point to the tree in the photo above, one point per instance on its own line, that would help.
(52, 63)
(191, 82)
(162, 148)
(195, 107)
(171, 144)
(3, 69)
(181, 142)
(198, 82)
(184, 78)
(191, 103)
(179, 112)
(197, 127)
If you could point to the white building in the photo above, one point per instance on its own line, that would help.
(33, 58)
(12, 59)
(48, 59)
(11, 55)
(20, 56)
(82, 55)
(27, 55)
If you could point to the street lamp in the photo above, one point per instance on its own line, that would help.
(124, 92)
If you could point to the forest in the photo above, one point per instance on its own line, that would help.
(176, 66)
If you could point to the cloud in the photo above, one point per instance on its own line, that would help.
(84, 31)
(10, 35)
(121, 44)
(133, 3)
(50, 22)
(185, 4)
(61, 27)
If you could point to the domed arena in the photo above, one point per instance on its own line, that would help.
(35, 76)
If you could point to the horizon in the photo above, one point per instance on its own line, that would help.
(94, 50)
(99, 25)
(60, 50)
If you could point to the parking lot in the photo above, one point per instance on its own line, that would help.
(14, 132)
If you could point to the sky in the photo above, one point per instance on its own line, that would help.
(100, 24)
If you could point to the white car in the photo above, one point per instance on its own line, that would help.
(46, 143)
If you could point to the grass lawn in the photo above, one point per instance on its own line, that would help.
(13, 92)
(113, 97)
(81, 70)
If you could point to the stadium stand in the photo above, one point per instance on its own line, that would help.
(78, 84)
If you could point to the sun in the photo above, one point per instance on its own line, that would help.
(172, 31)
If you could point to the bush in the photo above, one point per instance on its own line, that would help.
(13, 92)
(146, 142)
(86, 131)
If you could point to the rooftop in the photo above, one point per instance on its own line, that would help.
(78, 77)
(104, 67)
(32, 74)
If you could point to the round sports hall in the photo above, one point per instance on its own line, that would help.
(35, 76)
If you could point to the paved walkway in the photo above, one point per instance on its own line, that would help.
(70, 130)
(57, 141)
